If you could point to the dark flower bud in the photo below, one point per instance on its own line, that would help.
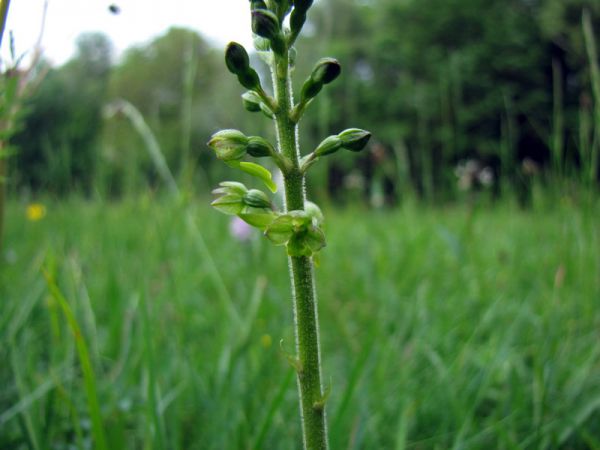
(236, 58)
(297, 19)
(259, 147)
(249, 79)
(326, 70)
(302, 5)
(265, 24)
(257, 4)
(310, 89)
(354, 139)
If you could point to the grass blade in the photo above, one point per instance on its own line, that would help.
(98, 432)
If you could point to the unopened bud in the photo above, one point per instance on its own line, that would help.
(265, 23)
(249, 79)
(354, 139)
(328, 146)
(257, 4)
(302, 5)
(251, 101)
(259, 147)
(236, 58)
(229, 145)
(326, 70)
(257, 199)
(310, 89)
(297, 19)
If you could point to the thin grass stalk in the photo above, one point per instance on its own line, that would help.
(3, 173)
(592, 53)
(190, 68)
(83, 353)
(4, 5)
(557, 118)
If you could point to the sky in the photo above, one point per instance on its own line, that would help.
(220, 21)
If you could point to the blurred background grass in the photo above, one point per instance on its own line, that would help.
(450, 327)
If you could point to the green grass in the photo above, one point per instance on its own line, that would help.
(441, 329)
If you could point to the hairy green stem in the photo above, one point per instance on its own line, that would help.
(4, 4)
(312, 407)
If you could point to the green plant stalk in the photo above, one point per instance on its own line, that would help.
(2, 192)
(312, 407)
(4, 5)
(590, 43)
(89, 378)
(557, 118)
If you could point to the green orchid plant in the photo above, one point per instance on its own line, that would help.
(298, 226)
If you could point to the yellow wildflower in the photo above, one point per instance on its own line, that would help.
(35, 212)
(266, 340)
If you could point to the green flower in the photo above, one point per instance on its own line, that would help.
(229, 145)
(298, 231)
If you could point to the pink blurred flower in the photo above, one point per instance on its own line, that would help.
(240, 229)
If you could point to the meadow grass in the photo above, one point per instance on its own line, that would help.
(445, 328)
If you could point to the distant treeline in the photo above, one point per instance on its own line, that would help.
(486, 95)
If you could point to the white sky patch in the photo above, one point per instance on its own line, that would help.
(138, 22)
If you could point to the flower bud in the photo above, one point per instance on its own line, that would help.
(328, 146)
(236, 58)
(265, 23)
(257, 199)
(354, 139)
(302, 5)
(259, 147)
(326, 70)
(257, 4)
(249, 79)
(310, 89)
(251, 101)
(229, 145)
(297, 19)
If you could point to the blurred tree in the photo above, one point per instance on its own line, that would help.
(59, 141)
(443, 80)
(172, 82)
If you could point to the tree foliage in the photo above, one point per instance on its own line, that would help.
(437, 81)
